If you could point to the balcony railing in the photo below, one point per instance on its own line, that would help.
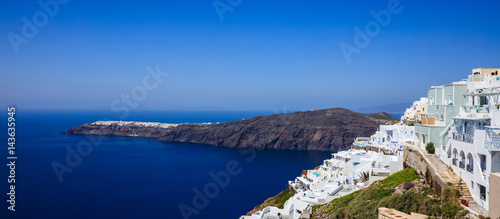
(479, 109)
(463, 137)
(492, 145)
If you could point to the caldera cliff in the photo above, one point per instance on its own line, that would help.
(324, 130)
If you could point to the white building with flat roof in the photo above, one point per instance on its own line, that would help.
(389, 138)
(392, 137)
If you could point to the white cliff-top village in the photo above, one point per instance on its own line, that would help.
(461, 120)
(141, 124)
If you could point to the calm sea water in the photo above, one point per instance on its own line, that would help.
(397, 115)
(126, 177)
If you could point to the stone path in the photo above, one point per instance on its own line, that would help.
(478, 209)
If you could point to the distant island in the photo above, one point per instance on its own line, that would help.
(324, 130)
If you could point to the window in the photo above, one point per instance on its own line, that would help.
(482, 162)
(472, 184)
(482, 192)
(470, 164)
(461, 164)
(449, 100)
(469, 128)
(483, 100)
(454, 160)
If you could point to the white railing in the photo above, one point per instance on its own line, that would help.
(492, 138)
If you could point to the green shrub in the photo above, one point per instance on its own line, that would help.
(462, 213)
(427, 174)
(412, 202)
(450, 210)
(398, 178)
(430, 148)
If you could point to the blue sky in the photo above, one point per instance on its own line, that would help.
(262, 55)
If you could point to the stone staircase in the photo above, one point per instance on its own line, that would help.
(465, 194)
(462, 187)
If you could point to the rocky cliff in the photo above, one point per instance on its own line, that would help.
(325, 130)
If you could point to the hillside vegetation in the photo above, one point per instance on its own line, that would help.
(276, 201)
(421, 199)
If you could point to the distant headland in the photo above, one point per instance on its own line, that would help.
(324, 130)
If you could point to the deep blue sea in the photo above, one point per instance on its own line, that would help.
(397, 115)
(127, 177)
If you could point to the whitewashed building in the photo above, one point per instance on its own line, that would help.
(473, 148)
(392, 137)
(416, 110)
(389, 138)
(336, 177)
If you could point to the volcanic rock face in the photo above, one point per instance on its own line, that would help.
(325, 130)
